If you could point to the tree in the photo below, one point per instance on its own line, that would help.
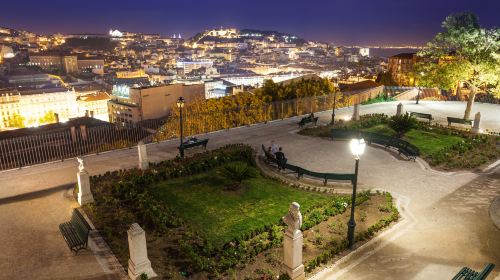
(386, 79)
(17, 121)
(462, 53)
(48, 117)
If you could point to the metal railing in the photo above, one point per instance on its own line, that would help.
(76, 141)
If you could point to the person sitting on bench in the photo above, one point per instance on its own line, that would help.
(280, 159)
(274, 147)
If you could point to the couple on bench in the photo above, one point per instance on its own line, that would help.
(278, 155)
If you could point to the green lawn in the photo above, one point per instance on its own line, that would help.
(428, 142)
(220, 215)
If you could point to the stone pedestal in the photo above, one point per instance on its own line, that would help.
(138, 262)
(84, 194)
(399, 111)
(292, 247)
(477, 120)
(143, 156)
(355, 113)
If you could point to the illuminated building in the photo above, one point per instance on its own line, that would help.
(223, 33)
(257, 81)
(131, 74)
(187, 66)
(33, 105)
(401, 68)
(70, 64)
(152, 102)
(91, 64)
(6, 52)
(115, 33)
(51, 61)
(94, 104)
(46, 61)
(364, 52)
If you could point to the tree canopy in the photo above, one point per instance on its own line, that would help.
(463, 52)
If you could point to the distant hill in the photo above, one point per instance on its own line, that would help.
(241, 35)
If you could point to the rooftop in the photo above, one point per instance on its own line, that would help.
(404, 55)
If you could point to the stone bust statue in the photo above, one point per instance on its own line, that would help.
(294, 218)
(81, 167)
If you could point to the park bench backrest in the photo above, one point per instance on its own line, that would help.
(469, 274)
(81, 226)
(421, 115)
(372, 137)
(458, 120)
(485, 272)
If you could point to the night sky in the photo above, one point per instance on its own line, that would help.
(341, 22)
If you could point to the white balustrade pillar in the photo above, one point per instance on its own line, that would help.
(138, 262)
(143, 156)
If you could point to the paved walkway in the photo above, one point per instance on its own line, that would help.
(34, 200)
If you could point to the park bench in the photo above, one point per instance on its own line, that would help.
(421, 116)
(75, 232)
(301, 171)
(469, 274)
(458, 121)
(269, 156)
(308, 119)
(403, 147)
(191, 144)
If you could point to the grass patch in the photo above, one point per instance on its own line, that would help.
(221, 216)
(430, 142)
(380, 98)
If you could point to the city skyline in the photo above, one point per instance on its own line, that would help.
(312, 22)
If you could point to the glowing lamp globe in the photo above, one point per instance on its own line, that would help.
(357, 147)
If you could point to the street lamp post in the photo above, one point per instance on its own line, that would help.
(180, 105)
(357, 149)
(334, 106)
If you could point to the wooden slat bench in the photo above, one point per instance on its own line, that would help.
(75, 232)
(306, 120)
(469, 274)
(458, 121)
(421, 116)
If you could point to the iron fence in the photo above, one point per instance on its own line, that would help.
(76, 141)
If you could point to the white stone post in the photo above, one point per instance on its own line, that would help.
(143, 156)
(355, 113)
(292, 244)
(84, 193)
(477, 120)
(138, 262)
(399, 112)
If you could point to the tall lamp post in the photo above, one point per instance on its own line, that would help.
(357, 149)
(334, 106)
(180, 105)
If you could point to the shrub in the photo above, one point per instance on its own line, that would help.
(237, 172)
(402, 124)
